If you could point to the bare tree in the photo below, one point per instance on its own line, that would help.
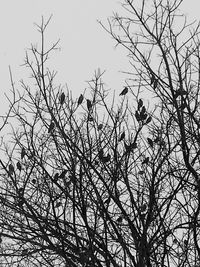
(105, 179)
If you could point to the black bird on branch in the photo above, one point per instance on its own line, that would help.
(62, 98)
(80, 99)
(124, 91)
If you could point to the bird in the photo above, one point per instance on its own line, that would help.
(56, 176)
(122, 136)
(148, 120)
(155, 84)
(63, 173)
(130, 147)
(143, 207)
(137, 116)
(143, 111)
(140, 103)
(101, 153)
(62, 98)
(90, 118)
(124, 91)
(80, 99)
(11, 169)
(152, 79)
(51, 126)
(23, 152)
(180, 92)
(89, 104)
(150, 142)
(146, 160)
(119, 219)
(100, 127)
(19, 166)
(106, 159)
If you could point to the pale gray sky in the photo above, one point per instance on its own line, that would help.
(85, 46)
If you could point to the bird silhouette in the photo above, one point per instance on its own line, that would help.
(51, 126)
(34, 181)
(56, 176)
(180, 92)
(155, 84)
(119, 219)
(143, 207)
(63, 173)
(100, 127)
(89, 104)
(90, 118)
(140, 103)
(150, 142)
(23, 152)
(19, 167)
(106, 159)
(101, 153)
(137, 116)
(130, 147)
(80, 99)
(152, 79)
(122, 136)
(124, 91)
(62, 98)
(11, 169)
(146, 160)
(148, 120)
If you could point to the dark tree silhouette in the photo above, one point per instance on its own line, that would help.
(100, 180)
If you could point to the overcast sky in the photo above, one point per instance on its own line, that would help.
(85, 46)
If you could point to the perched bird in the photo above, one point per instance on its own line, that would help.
(143, 111)
(51, 126)
(152, 79)
(63, 173)
(23, 153)
(11, 169)
(130, 147)
(140, 103)
(150, 142)
(106, 159)
(146, 160)
(101, 153)
(34, 181)
(155, 84)
(148, 120)
(90, 118)
(55, 178)
(180, 92)
(143, 114)
(137, 116)
(19, 166)
(100, 127)
(89, 104)
(124, 91)
(80, 99)
(122, 136)
(119, 220)
(143, 207)
(58, 204)
(62, 98)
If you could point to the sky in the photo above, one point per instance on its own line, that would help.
(85, 46)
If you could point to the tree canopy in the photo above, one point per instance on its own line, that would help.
(107, 178)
